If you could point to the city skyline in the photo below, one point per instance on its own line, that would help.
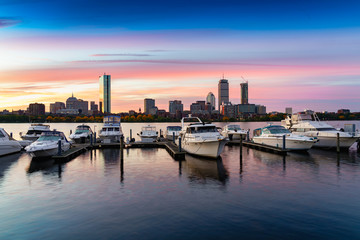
(305, 56)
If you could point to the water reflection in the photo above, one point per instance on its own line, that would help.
(45, 166)
(6, 162)
(200, 170)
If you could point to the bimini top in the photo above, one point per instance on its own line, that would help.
(112, 119)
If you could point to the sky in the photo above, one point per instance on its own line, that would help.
(300, 54)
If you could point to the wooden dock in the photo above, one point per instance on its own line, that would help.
(261, 147)
(73, 152)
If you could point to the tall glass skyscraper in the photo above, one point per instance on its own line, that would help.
(223, 89)
(210, 98)
(244, 93)
(105, 93)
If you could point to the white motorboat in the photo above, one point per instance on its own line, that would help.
(233, 132)
(273, 136)
(172, 131)
(81, 134)
(34, 132)
(7, 144)
(111, 131)
(47, 144)
(311, 126)
(201, 139)
(148, 134)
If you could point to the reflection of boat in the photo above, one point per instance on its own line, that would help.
(148, 134)
(172, 130)
(202, 139)
(233, 132)
(310, 125)
(40, 165)
(111, 131)
(47, 144)
(81, 134)
(273, 136)
(35, 131)
(8, 145)
(205, 169)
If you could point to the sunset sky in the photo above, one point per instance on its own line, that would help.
(300, 54)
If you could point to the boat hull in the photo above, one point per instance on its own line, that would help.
(148, 138)
(211, 149)
(331, 141)
(290, 144)
(111, 138)
(9, 147)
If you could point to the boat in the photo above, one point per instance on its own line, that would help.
(311, 126)
(34, 132)
(148, 134)
(47, 144)
(201, 139)
(81, 134)
(233, 132)
(111, 131)
(8, 145)
(172, 131)
(273, 135)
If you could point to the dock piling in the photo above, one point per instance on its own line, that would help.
(94, 137)
(122, 146)
(91, 139)
(179, 144)
(59, 148)
(173, 137)
(130, 134)
(338, 142)
(248, 135)
(284, 142)
(70, 131)
(11, 135)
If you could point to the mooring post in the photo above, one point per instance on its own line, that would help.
(160, 133)
(122, 146)
(284, 142)
(248, 135)
(59, 147)
(130, 134)
(94, 138)
(11, 135)
(173, 137)
(91, 139)
(338, 142)
(241, 150)
(179, 143)
(70, 131)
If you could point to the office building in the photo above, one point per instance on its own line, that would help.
(210, 98)
(260, 109)
(244, 93)
(55, 107)
(105, 93)
(93, 106)
(288, 110)
(36, 109)
(228, 110)
(223, 91)
(174, 106)
(78, 104)
(148, 104)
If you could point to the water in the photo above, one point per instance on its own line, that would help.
(148, 195)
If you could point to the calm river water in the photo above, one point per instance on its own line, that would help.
(148, 195)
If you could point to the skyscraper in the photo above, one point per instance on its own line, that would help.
(175, 105)
(105, 93)
(210, 98)
(223, 90)
(244, 93)
(148, 104)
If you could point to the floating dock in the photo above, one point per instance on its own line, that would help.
(262, 147)
(73, 152)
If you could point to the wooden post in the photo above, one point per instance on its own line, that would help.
(338, 142)
(284, 142)
(160, 133)
(173, 137)
(11, 135)
(94, 137)
(241, 151)
(70, 131)
(130, 134)
(248, 135)
(91, 139)
(179, 143)
(122, 147)
(59, 147)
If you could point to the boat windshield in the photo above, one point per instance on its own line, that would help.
(149, 128)
(234, 127)
(202, 129)
(276, 130)
(36, 132)
(80, 131)
(2, 134)
(174, 128)
(49, 138)
(326, 129)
